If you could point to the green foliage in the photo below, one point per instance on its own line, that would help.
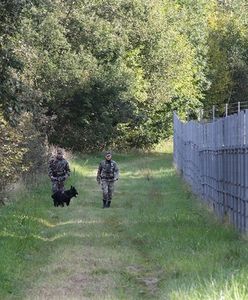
(228, 55)
(11, 152)
(22, 150)
(97, 68)
(98, 74)
(9, 83)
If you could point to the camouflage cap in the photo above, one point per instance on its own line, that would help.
(107, 153)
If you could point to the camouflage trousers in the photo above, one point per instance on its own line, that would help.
(58, 186)
(107, 189)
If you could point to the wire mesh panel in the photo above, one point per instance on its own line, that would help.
(213, 159)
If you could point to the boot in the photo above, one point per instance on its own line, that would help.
(108, 204)
(104, 204)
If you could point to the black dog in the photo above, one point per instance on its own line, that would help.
(59, 198)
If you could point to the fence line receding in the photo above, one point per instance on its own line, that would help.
(213, 159)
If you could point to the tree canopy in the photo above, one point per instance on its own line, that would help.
(87, 75)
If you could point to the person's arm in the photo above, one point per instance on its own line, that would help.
(116, 172)
(67, 170)
(98, 176)
(50, 169)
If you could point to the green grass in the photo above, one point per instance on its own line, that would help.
(156, 241)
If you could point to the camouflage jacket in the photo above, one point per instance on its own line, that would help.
(58, 168)
(108, 170)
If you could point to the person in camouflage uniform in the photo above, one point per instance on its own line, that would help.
(58, 171)
(107, 174)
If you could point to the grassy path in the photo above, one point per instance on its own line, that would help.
(155, 242)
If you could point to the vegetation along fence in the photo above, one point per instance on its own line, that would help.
(213, 159)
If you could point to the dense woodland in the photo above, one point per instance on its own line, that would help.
(94, 74)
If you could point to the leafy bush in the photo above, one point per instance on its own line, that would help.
(22, 150)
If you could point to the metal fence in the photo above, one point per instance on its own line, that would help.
(213, 159)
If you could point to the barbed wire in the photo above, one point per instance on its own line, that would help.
(218, 111)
